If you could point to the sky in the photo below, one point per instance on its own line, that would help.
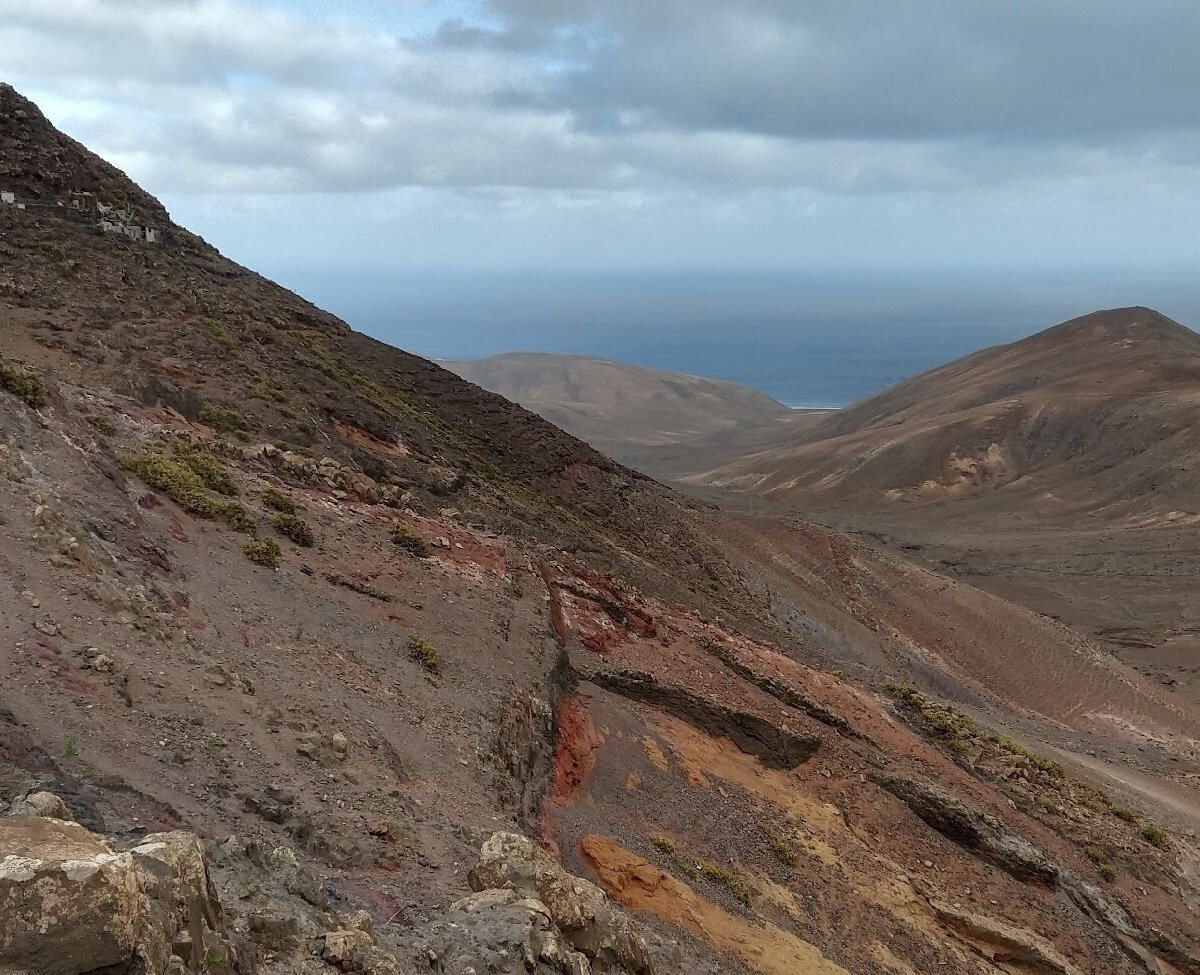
(387, 140)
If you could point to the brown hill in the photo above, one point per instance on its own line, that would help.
(628, 412)
(344, 615)
(1094, 417)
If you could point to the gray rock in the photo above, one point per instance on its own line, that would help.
(580, 909)
(72, 904)
(44, 804)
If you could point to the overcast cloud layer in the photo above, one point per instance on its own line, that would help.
(643, 132)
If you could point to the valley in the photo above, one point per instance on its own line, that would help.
(319, 658)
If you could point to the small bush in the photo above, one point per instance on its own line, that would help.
(23, 384)
(694, 867)
(1153, 835)
(186, 488)
(295, 528)
(780, 845)
(952, 726)
(1108, 872)
(1040, 762)
(1098, 855)
(1123, 814)
(219, 333)
(278, 501)
(102, 424)
(223, 419)
(70, 747)
(425, 653)
(410, 541)
(263, 551)
(212, 472)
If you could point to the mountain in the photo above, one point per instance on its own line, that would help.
(301, 630)
(1095, 417)
(628, 412)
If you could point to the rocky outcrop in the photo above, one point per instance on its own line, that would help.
(502, 932)
(1003, 943)
(542, 891)
(73, 904)
(776, 747)
(978, 831)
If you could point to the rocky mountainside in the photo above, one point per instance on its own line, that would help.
(340, 664)
(628, 412)
(1095, 417)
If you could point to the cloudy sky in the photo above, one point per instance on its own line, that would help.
(306, 137)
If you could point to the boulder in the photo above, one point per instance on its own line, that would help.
(501, 932)
(1004, 943)
(580, 909)
(72, 904)
(44, 804)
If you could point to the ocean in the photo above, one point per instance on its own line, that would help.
(808, 341)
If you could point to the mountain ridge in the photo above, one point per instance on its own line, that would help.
(350, 621)
(624, 410)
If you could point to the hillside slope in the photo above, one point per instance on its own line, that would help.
(622, 410)
(1096, 416)
(344, 616)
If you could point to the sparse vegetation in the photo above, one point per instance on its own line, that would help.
(102, 424)
(694, 867)
(263, 551)
(276, 500)
(957, 730)
(223, 419)
(1127, 815)
(425, 653)
(70, 746)
(23, 384)
(219, 333)
(953, 727)
(212, 472)
(1041, 762)
(188, 490)
(1099, 856)
(410, 541)
(1154, 835)
(296, 529)
(780, 845)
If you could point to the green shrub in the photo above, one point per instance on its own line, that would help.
(102, 424)
(945, 722)
(212, 472)
(219, 333)
(263, 551)
(223, 419)
(410, 541)
(1153, 835)
(70, 747)
(425, 653)
(780, 845)
(1108, 872)
(24, 385)
(186, 488)
(278, 501)
(1040, 762)
(295, 528)
(694, 867)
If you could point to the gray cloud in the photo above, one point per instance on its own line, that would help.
(622, 96)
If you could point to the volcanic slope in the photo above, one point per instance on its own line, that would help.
(344, 615)
(1096, 417)
(629, 412)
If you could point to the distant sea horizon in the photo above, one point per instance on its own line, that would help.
(813, 341)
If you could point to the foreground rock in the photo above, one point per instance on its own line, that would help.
(72, 904)
(529, 915)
